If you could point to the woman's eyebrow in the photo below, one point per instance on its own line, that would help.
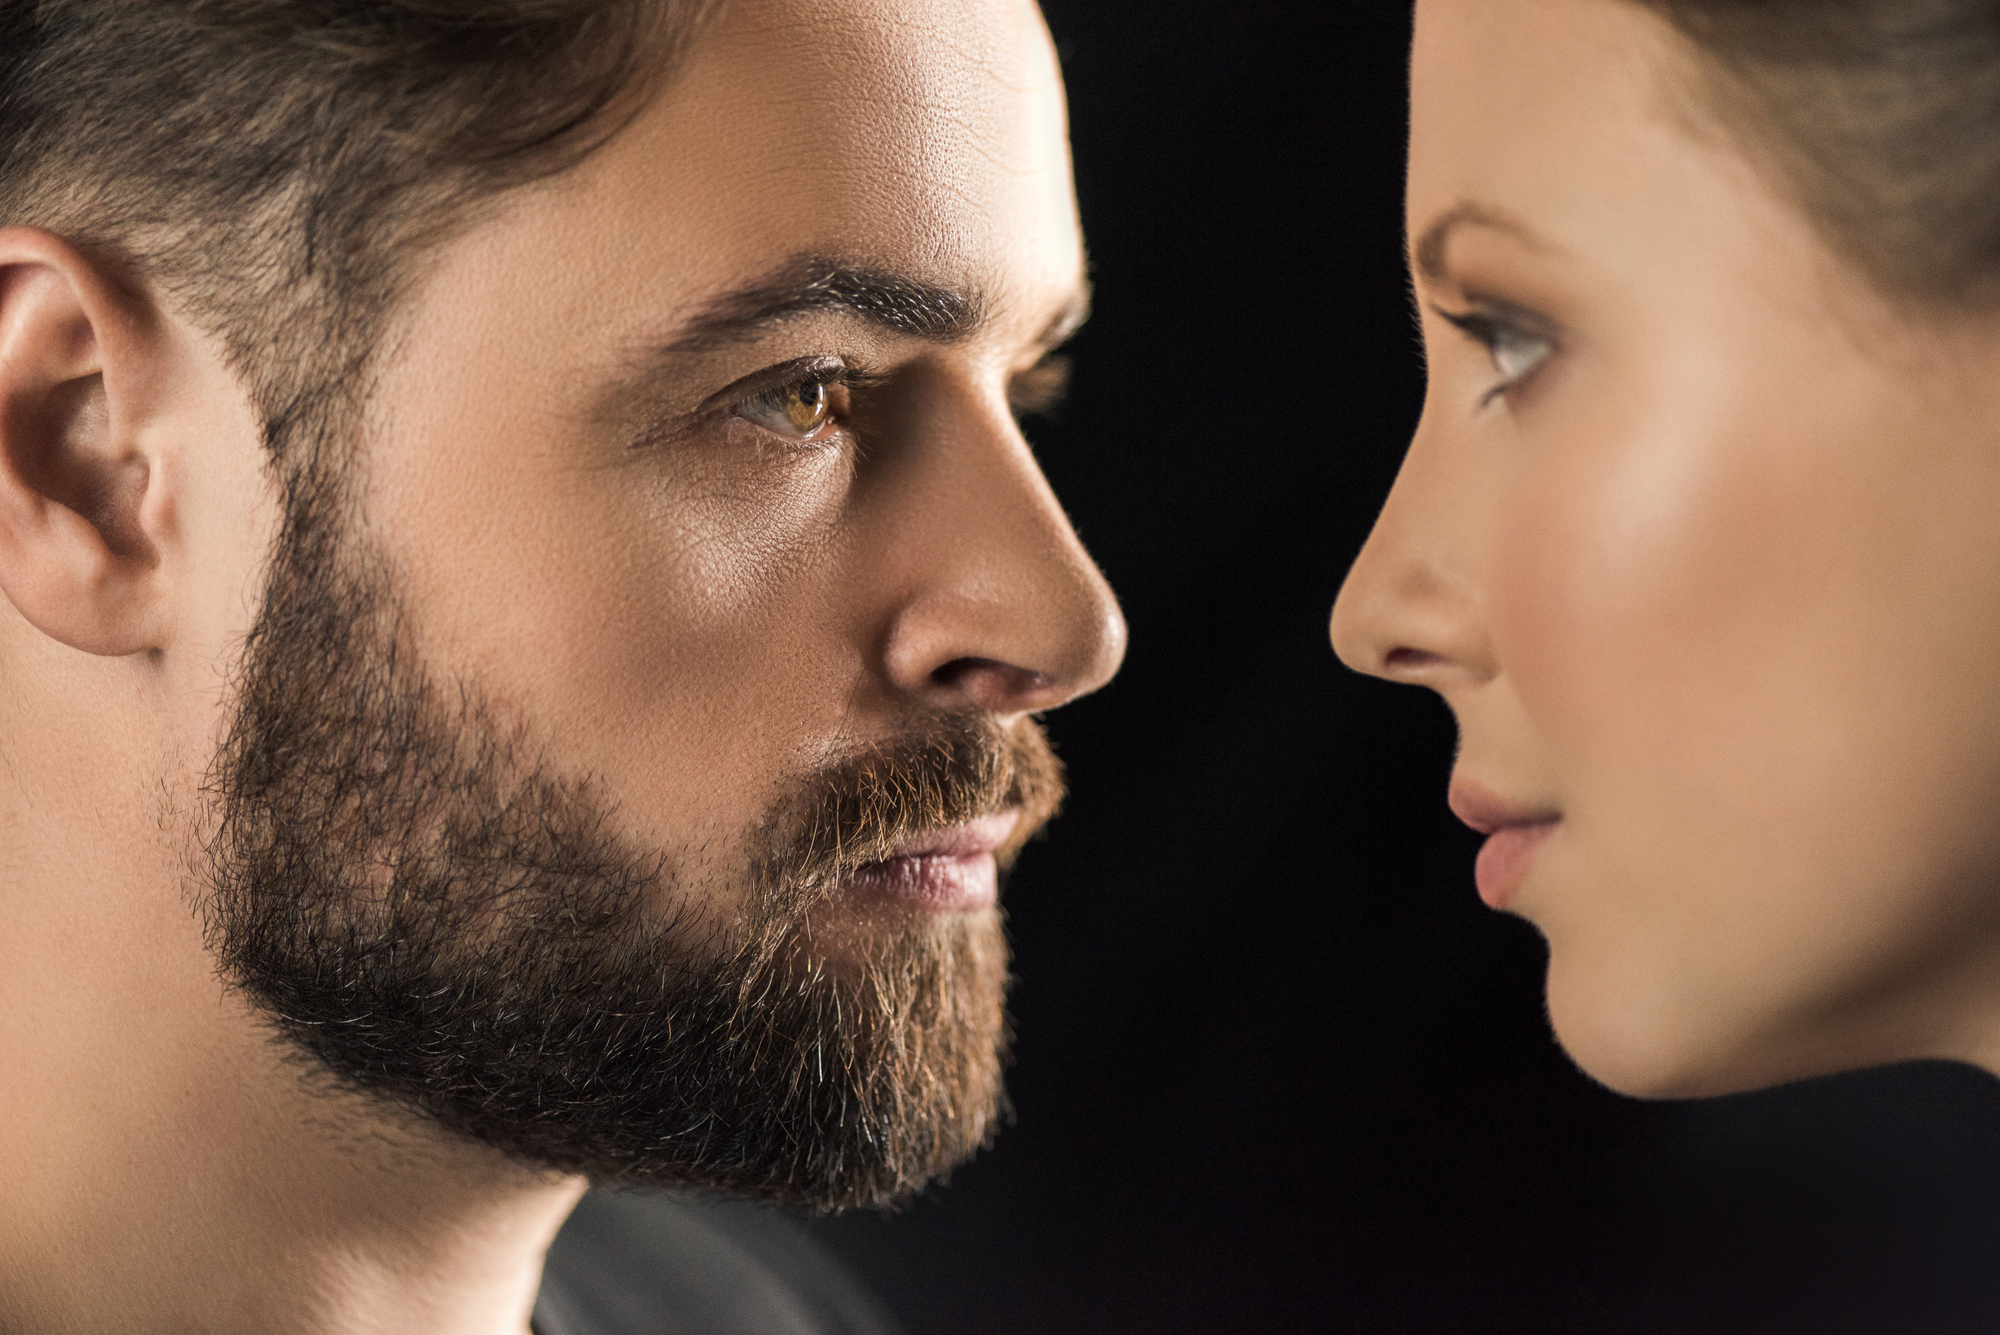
(1429, 251)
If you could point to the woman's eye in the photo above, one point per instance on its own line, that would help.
(1515, 353)
(801, 411)
(1514, 350)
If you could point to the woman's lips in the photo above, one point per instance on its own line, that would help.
(1505, 860)
(949, 871)
(1513, 833)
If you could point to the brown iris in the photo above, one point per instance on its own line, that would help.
(801, 411)
(805, 406)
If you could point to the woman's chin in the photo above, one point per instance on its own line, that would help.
(1662, 1043)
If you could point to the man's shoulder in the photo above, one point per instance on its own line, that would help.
(646, 1263)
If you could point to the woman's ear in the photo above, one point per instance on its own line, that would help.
(81, 510)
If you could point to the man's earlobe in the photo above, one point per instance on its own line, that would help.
(80, 509)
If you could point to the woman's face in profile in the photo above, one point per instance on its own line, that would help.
(1700, 540)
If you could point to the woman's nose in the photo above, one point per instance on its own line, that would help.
(1411, 608)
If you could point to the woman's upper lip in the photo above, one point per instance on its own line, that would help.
(1486, 811)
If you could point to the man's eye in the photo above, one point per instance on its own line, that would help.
(1040, 390)
(801, 411)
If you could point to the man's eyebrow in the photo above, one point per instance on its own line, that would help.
(898, 303)
(1429, 251)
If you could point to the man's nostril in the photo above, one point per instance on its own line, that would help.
(959, 670)
(992, 684)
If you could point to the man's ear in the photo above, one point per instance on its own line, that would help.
(81, 514)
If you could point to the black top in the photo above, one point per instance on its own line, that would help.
(644, 1263)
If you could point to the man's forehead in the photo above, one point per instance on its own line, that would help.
(897, 108)
(751, 195)
(931, 33)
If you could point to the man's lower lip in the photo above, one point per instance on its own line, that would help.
(1506, 859)
(939, 882)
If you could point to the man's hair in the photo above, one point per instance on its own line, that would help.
(277, 168)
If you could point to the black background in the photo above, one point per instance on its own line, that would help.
(1278, 1069)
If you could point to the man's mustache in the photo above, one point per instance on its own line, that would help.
(869, 804)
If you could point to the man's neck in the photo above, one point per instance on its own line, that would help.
(168, 1165)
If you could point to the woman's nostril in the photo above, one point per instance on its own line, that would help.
(1407, 660)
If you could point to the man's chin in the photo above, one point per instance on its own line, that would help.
(852, 1065)
(869, 1062)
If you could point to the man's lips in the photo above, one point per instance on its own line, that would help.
(951, 870)
(1513, 830)
(964, 841)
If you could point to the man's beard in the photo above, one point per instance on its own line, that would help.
(418, 901)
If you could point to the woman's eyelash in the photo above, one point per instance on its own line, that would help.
(1515, 347)
(1475, 326)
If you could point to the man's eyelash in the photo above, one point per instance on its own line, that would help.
(829, 375)
(848, 377)
(1040, 390)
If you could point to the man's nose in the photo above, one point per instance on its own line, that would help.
(1411, 609)
(1000, 609)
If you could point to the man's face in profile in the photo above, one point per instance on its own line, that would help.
(629, 739)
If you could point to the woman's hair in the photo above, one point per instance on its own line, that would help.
(277, 166)
(1882, 117)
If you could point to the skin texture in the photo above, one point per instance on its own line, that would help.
(1712, 585)
(686, 623)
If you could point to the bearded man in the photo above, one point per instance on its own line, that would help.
(526, 602)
